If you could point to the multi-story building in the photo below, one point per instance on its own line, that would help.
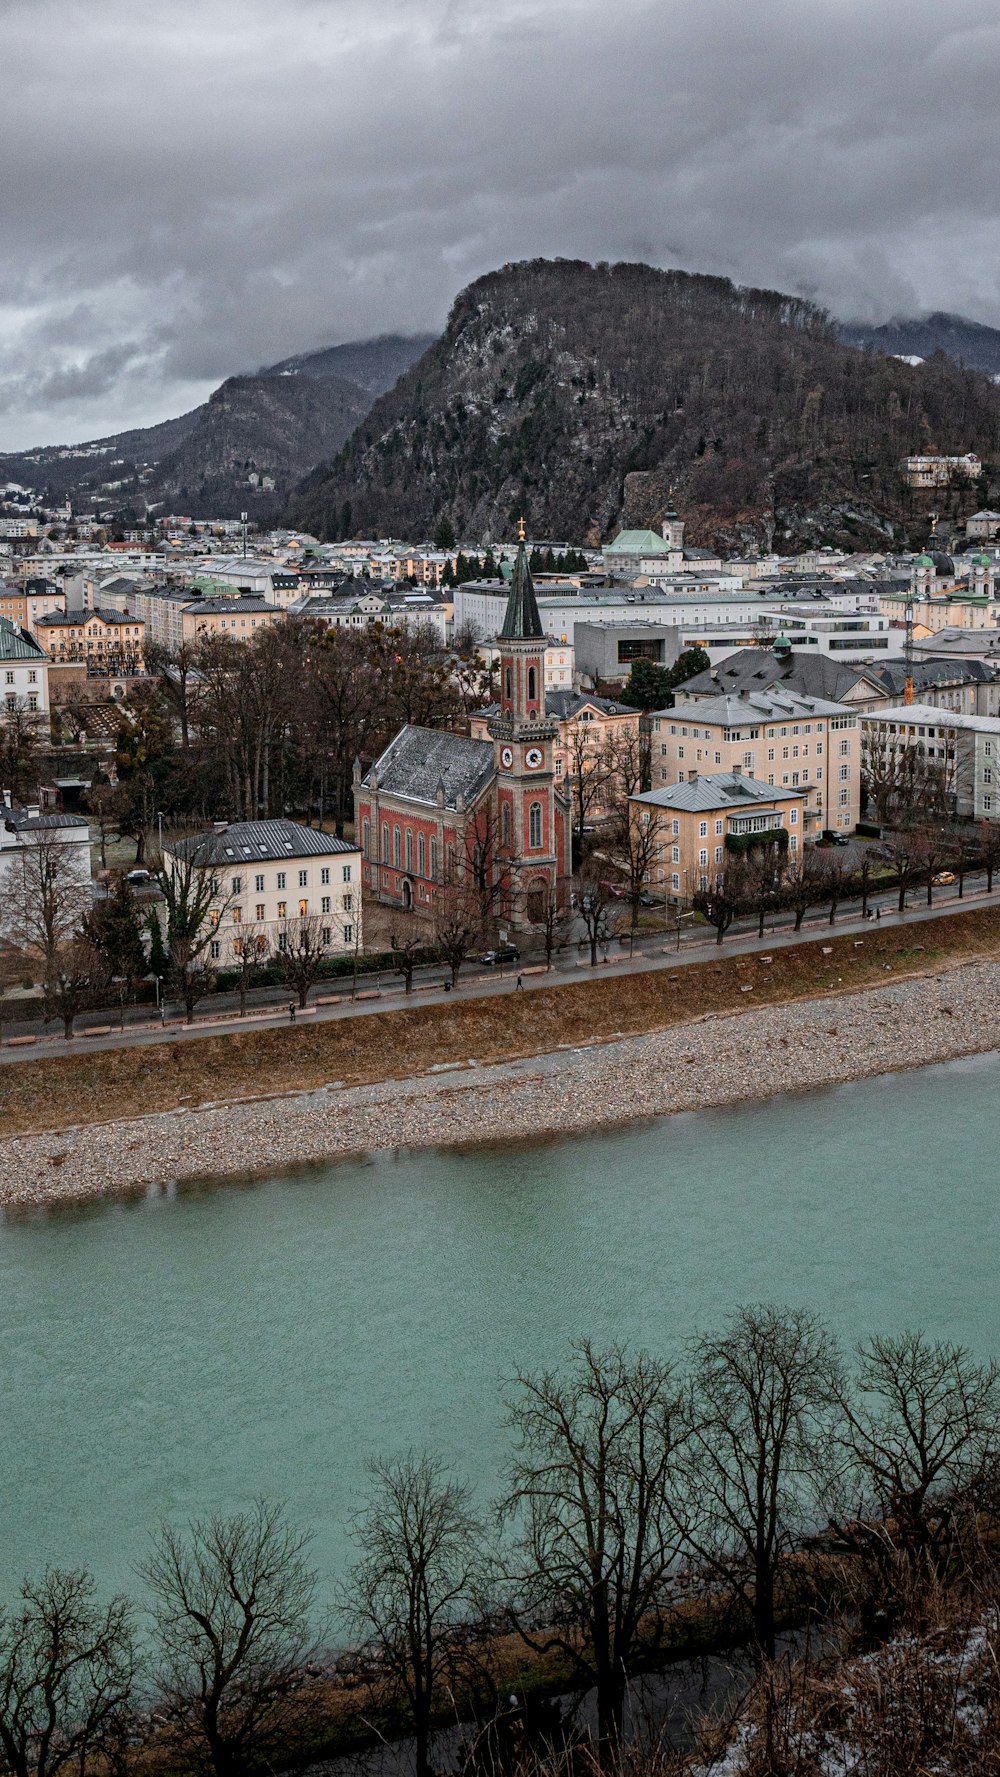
(24, 672)
(963, 750)
(268, 874)
(108, 641)
(23, 605)
(787, 741)
(693, 826)
(985, 524)
(24, 830)
(938, 471)
(598, 741)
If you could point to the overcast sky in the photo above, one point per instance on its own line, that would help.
(199, 187)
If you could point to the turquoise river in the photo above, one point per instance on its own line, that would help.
(170, 1355)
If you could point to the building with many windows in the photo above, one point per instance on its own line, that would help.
(963, 750)
(108, 641)
(788, 741)
(696, 822)
(24, 672)
(267, 874)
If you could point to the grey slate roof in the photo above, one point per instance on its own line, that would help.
(565, 704)
(244, 842)
(420, 759)
(736, 709)
(891, 674)
(20, 821)
(16, 644)
(760, 669)
(720, 789)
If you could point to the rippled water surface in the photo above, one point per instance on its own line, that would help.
(173, 1355)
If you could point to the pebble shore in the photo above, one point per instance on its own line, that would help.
(715, 1060)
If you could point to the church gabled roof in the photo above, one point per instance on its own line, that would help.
(521, 619)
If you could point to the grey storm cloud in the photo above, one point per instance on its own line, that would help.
(193, 190)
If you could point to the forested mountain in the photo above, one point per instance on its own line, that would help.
(968, 342)
(275, 425)
(579, 394)
(373, 364)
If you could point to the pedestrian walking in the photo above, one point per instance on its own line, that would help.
(520, 985)
(291, 1013)
(878, 913)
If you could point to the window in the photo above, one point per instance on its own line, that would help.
(397, 846)
(421, 859)
(508, 685)
(535, 826)
(258, 883)
(282, 941)
(237, 916)
(680, 752)
(259, 912)
(409, 851)
(987, 775)
(325, 934)
(793, 816)
(303, 878)
(675, 828)
(434, 860)
(505, 825)
(303, 909)
(32, 700)
(324, 874)
(281, 879)
(675, 882)
(532, 683)
(237, 885)
(366, 837)
(559, 766)
(718, 758)
(9, 679)
(718, 854)
(346, 873)
(213, 918)
(324, 905)
(718, 827)
(845, 748)
(675, 854)
(348, 903)
(703, 856)
(214, 949)
(845, 797)
(282, 909)
(348, 934)
(845, 772)
(702, 829)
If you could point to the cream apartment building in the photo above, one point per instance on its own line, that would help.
(964, 749)
(692, 821)
(787, 741)
(267, 873)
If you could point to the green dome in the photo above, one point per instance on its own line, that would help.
(923, 561)
(982, 561)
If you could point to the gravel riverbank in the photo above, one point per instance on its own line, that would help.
(716, 1060)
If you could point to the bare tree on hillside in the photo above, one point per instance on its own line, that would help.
(413, 1597)
(233, 1603)
(67, 1670)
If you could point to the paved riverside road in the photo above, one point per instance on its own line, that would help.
(656, 951)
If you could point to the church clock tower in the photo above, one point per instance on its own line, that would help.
(532, 811)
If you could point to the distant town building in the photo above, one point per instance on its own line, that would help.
(985, 525)
(107, 640)
(965, 750)
(938, 471)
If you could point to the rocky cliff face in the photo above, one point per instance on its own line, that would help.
(579, 395)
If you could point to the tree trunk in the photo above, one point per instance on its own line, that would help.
(763, 1613)
(799, 917)
(902, 896)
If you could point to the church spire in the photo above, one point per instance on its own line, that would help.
(521, 619)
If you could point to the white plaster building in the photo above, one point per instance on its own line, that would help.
(24, 672)
(270, 872)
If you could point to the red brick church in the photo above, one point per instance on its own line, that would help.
(438, 808)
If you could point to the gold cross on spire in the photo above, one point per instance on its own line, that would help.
(520, 529)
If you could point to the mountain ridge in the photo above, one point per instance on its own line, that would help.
(971, 343)
(581, 395)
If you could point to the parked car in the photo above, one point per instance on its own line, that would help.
(616, 890)
(504, 953)
(139, 878)
(832, 838)
(944, 879)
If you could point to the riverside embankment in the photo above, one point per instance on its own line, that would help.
(914, 1003)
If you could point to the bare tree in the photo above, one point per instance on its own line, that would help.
(934, 849)
(805, 883)
(302, 951)
(923, 1428)
(413, 1597)
(194, 904)
(78, 978)
(406, 947)
(251, 950)
(988, 836)
(46, 897)
(901, 852)
(551, 915)
(233, 1601)
(595, 906)
(587, 774)
(764, 1405)
(593, 1503)
(20, 732)
(635, 847)
(104, 810)
(719, 902)
(67, 1667)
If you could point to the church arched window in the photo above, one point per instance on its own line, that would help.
(385, 842)
(505, 826)
(508, 680)
(421, 855)
(409, 851)
(535, 826)
(532, 683)
(396, 847)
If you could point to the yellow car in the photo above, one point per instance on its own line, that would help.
(944, 878)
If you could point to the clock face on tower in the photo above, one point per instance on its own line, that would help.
(506, 758)
(533, 758)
